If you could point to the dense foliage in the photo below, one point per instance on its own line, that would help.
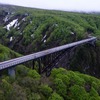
(6, 53)
(61, 85)
(42, 29)
(35, 30)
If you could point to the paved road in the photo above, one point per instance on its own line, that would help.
(20, 60)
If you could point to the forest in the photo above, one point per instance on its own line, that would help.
(28, 30)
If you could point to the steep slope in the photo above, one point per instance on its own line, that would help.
(61, 85)
(38, 31)
(28, 30)
(6, 53)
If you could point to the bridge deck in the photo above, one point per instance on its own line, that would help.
(20, 60)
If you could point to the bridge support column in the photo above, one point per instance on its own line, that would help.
(11, 72)
(39, 62)
(33, 64)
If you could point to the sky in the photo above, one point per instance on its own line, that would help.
(66, 5)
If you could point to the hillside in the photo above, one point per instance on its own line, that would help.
(61, 85)
(42, 29)
(28, 30)
(6, 53)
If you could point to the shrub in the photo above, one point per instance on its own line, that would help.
(64, 78)
(55, 72)
(60, 87)
(22, 70)
(18, 93)
(2, 97)
(95, 85)
(55, 96)
(46, 90)
(6, 88)
(9, 79)
(30, 83)
(33, 74)
(78, 93)
(94, 98)
(34, 96)
(93, 92)
(75, 79)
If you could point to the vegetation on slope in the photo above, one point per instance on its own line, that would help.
(36, 30)
(6, 53)
(42, 29)
(61, 85)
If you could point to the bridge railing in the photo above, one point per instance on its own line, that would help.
(20, 60)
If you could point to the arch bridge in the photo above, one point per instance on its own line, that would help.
(47, 59)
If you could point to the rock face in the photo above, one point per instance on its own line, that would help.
(27, 30)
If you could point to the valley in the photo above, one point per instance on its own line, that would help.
(28, 30)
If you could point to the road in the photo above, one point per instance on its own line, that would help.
(20, 60)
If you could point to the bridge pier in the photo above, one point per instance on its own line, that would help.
(47, 59)
(33, 64)
(11, 72)
(39, 62)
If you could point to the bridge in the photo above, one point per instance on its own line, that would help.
(46, 59)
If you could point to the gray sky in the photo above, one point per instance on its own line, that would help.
(69, 5)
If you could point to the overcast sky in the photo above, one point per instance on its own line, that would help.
(68, 5)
